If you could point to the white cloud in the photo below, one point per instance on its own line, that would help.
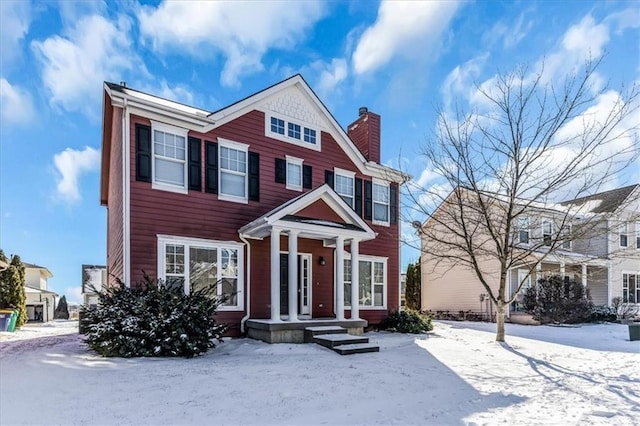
(16, 106)
(405, 28)
(510, 34)
(460, 81)
(71, 164)
(332, 75)
(241, 31)
(15, 18)
(75, 65)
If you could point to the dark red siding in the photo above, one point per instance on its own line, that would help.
(115, 229)
(202, 215)
(365, 133)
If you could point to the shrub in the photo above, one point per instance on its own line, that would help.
(408, 321)
(603, 313)
(62, 310)
(558, 300)
(153, 320)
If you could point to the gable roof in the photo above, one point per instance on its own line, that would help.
(46, 271)
(604, 202)
(353, 223)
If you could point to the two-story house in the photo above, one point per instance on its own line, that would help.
(588, 239)
(40, 302)
(293, 218)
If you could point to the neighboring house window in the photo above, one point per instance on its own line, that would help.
(192, 264)
(309, 135)
(523, 230)
(624, 237)
(630, 288)
(566, 236)
(277, 125)
(638, 235)
(294, 131)
(169, 157)
(373, 282)
(233, 171)
(294, 173)
(380, 202)
(344, 185)
(547, 231)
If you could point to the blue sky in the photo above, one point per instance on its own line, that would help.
(398, 59)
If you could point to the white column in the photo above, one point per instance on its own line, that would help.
(538, 276)
(584, 275)
(293, 275)
(355, 279)
(562, 270)
(339, 278)
(275, 274)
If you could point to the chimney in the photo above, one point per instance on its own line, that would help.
(365, 133)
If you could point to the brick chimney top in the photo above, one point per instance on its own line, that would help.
(365, 133)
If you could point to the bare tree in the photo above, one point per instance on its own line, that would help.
(530, 145)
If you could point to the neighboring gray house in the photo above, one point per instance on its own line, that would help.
(606, 260)
(94, 277)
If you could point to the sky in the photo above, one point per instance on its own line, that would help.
(402, 60)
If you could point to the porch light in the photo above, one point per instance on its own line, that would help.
(321, 261)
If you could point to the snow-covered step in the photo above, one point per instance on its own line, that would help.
(311, 332)
(332, 340)
(357, 348)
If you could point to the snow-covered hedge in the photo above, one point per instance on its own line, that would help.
(153, 320)
(408, 321)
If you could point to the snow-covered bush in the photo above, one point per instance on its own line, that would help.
(153, 320)
(407, 321)
(603, 313)
(558, 300)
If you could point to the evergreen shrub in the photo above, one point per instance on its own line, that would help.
(408, 321)
(153, 320)
(558, 300)
(603, 313)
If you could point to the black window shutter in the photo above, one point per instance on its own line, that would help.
(211, 167)
(195, 164)
(393, 203)
(281, 171)
(143, 153)
(254, 176)
(358, 200)
(307, 175)
(328, 178)
(368, 199)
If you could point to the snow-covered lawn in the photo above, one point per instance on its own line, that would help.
(457, 374)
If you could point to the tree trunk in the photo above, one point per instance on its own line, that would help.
(500, 321)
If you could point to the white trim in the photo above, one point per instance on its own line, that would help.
(298, 162)
(177, 131)
(268, 115)
(126, 201)
(237, 146)
(625, 225)
(380, 182)
(348, 174)
(542, 234)
(637, 275)
(188, 243)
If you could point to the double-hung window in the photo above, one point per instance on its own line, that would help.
(233, 170)
(638, 235)
(294, 173)
(380, 202)
(344, 185)
(169, 157)
(566, 236)
(372, 282)
(624, 234)
(192, 264)
(630, 288)
(547, 231)
(523, 229)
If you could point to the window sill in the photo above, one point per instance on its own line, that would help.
(380, 223)
(233, 199)
(294, 188)
(169, 188)
(230, 309)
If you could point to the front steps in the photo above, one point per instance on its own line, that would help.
(337, 339)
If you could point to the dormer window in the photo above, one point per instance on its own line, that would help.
(293, 131)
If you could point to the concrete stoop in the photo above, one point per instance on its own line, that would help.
(337, 339)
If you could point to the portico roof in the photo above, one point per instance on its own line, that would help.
(285, 218)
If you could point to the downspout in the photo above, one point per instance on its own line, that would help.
(248, 284)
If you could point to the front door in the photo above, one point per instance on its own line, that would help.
(304, 284)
